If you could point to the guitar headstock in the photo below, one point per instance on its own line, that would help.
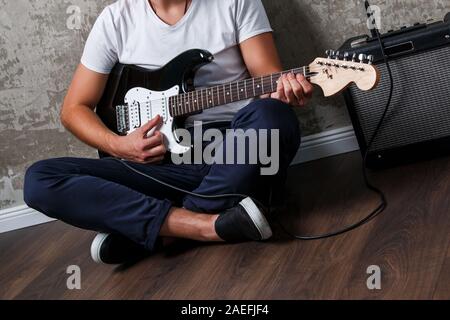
(335, 73)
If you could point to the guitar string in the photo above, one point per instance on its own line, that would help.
(182, 103)
(304, 70)
(180, 106)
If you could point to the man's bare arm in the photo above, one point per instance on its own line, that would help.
(261, 58)
(77, 113)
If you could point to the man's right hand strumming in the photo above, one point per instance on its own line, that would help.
(139, 148)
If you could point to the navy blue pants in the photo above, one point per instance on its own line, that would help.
(105, 196)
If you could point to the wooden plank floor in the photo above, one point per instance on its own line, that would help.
(409, 241)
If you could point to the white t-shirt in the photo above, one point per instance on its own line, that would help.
(130, 32)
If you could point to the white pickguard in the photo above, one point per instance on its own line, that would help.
(144, 105)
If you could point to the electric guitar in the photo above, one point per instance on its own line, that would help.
(135, 95)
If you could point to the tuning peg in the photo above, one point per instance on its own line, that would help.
(328, 53)
(337, 55)
(331, 54)
(354, 57)
(346, 56)
(371, 58)
(362, 57)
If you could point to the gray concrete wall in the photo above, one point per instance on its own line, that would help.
(38, 54)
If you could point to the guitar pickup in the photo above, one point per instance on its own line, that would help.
(123, 122)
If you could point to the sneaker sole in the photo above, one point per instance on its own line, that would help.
(259, 220)
(96, 246)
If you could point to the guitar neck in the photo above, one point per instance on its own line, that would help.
(202, 99)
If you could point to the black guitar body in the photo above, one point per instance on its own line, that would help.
(179, 71)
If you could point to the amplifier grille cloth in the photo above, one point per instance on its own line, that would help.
(420, 108)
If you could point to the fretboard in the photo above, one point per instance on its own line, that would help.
(201, 99)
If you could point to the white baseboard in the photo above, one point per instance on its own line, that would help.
(326, 144)
(20, 217)
(318, 146)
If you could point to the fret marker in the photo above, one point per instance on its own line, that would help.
(210, 101)
(242, 90)
(228, 93)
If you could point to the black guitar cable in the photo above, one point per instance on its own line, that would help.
(383, 202)
(380, 208)
(198, 195)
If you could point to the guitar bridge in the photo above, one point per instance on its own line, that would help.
(123, 122)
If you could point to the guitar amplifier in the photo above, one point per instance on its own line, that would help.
(417, 125)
